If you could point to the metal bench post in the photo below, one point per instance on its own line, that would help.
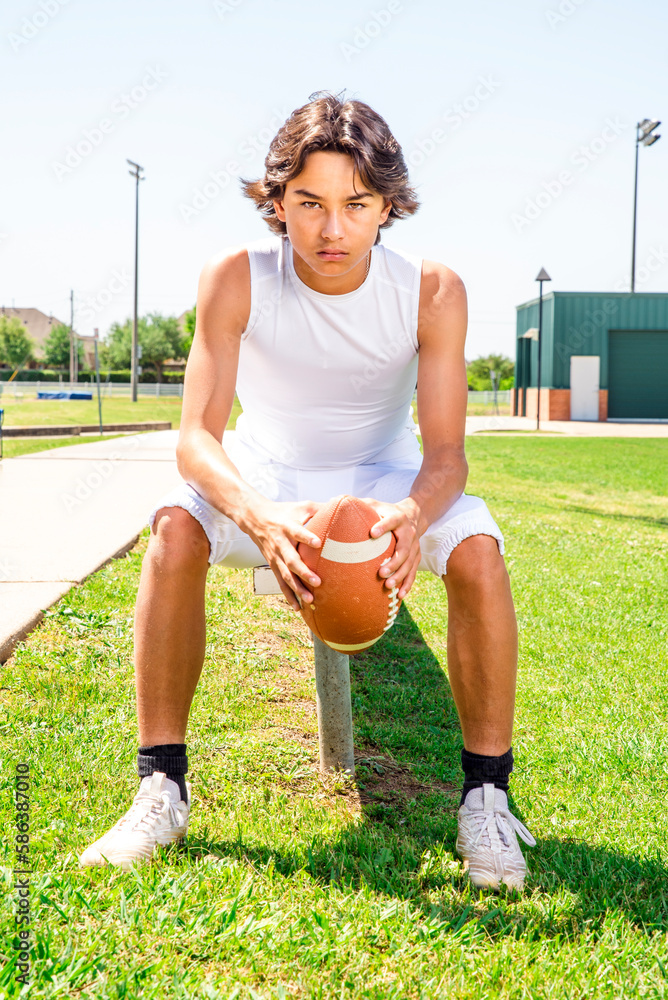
(332, 687)
(335, 717)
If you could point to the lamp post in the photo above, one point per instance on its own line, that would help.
(644, 135)
(137, 174)
(542, 276)
(494, 377)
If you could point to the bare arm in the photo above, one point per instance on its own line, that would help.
(442, 393)
(442, 396)
(223, 307)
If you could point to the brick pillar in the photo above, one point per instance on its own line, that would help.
(602, 404)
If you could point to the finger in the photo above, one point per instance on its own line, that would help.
(289, 595)
(388, 522)
(404, 547)
(294, 589)
(409, 580)
(298, 533)
(300, 570)
(401, 571)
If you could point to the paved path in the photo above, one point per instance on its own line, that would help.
(67, 511)
(577, 428)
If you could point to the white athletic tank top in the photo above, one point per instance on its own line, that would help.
(327, 381)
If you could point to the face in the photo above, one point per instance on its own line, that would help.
(332, 218)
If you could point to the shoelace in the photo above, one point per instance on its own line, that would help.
(142, 822)
(498, 825)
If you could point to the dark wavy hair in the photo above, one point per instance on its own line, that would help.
(328, 122)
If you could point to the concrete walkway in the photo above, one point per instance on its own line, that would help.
(576, 428)
(67, 511)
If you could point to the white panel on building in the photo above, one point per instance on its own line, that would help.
(585, 383)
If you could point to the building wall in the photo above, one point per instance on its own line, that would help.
(579, 323)
(555, 404)
(582, 321)
(603, 404)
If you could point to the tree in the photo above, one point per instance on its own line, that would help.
(159, 338)
(16, 346)
(57, 347)
(187, 340)
(477, 372)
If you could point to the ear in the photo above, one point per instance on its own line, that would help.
(386, 211)
(279, 209)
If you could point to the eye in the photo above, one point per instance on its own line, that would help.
(356, 204)
(308, 204)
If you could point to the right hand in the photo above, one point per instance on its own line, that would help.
(277, 529)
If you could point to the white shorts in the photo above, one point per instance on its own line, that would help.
(388, 481)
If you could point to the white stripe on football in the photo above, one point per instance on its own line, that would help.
(356, 552)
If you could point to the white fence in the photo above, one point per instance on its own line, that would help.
(487, 396)
(156, 390)
(145, 390)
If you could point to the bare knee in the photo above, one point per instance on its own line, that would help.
(178, 541)
(476, 560)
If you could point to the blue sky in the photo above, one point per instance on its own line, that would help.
(517, 120)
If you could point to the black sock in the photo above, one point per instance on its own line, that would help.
(480, 770)
(167, 757)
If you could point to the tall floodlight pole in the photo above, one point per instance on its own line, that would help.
(542, 276)
(644, 135)
(136, 172)
(72, 342)
(97, 379)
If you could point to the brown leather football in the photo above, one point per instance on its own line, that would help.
(352, 607)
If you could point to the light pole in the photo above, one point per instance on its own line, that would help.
(494, 376)
(542, 276)
(644, 135)
(137, 174)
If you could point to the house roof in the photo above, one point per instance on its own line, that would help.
(37, 323)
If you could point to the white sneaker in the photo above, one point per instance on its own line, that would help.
(158, 815)
(487, 841)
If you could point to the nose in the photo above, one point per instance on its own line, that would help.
(333, 226)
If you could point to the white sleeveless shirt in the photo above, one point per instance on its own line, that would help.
(327, 381)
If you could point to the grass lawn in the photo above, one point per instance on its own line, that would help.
(290, 886)
(29, 410)
(488, 410)
(12, 447)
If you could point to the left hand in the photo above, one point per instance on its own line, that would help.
(402, 519)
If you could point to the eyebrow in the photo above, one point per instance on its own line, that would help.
(316, 197)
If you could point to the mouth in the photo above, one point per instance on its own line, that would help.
(332, 254)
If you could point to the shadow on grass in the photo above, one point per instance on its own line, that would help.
(408, 744)
(660, 522)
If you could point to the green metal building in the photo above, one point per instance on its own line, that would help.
(604, 356)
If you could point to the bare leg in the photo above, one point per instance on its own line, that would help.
(170, 627)
(482, 644)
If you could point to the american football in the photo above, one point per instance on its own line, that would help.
(352, 607)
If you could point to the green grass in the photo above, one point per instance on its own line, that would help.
(290, 886)
(488, 410)
(12, 447)
(29, 411)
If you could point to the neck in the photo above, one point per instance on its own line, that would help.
(336, 284)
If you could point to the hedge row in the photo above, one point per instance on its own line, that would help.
(46, 375)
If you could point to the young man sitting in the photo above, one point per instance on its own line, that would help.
(323, 332)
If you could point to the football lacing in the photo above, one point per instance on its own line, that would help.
(394, 608)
